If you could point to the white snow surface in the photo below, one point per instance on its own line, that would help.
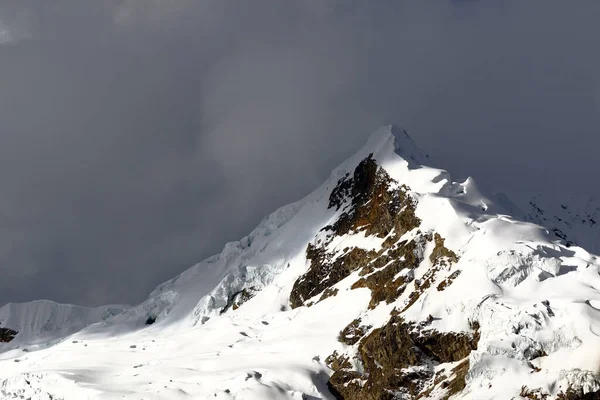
(529, 291)
(42, 322)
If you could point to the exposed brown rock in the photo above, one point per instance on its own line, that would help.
(341, 192)
(441, 255)
(570, 394)
(388, 352)
(351, 334)
(438, 378)
(533, 394)
(324, 273)
(7, 335)
(329, 292)
(573, 394)
(241, 298)
(397, 358)
(346, 384)
(404, 255)
(533, 367)
(441, 259)
(445, 347)
(375, 206)
(350, 385)
(237, 299)
(337, 362)
(390, 347)
(458, 381)
(448, 281)
(401, 344)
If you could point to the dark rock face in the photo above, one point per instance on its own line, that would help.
(570, 394)
(377, 206)
(7, 335)
(381, 272)
(533, 394)
(337, 362)
(387, 352)
(374, 203)
(440, 254)
(457, 383)
(351, 334)
(324, 273)
(329, 293)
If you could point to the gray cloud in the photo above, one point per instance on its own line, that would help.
(136, 137)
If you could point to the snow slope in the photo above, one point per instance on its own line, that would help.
(451, 293)
(573, 219)
(41, 322)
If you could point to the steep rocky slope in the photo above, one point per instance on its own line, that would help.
(390, 281)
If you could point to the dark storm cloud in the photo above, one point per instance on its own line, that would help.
(138, 136)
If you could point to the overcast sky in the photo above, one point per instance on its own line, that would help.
(138, 136)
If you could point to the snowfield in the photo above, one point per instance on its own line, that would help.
(519, 304)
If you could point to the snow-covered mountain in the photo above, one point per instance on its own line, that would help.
(389, 281)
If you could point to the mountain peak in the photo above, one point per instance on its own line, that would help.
(396, 138)
(404, 145)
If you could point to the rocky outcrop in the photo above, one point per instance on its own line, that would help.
(351, 334)
(441, 255)
(533, 394)
(385, 277)
(372, 203)
(337, 362)
(325, 271)
(7, 335)
(375, 204)
(237, 299)
(397, 360)
(572, 394)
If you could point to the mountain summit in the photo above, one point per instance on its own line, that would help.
(389, 281)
